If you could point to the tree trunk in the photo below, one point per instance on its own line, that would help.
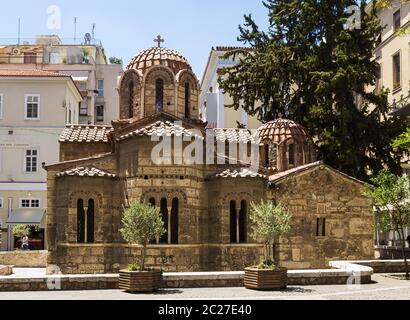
(144, 251)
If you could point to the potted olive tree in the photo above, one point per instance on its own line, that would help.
(142, 223)
(269, 221)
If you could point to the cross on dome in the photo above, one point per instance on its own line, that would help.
(159, 40)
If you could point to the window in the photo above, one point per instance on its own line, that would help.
(238, 222)
(291, 154)
(83, 109)
(187, 100)
(267, 160)
(30, 57)
(31, 160)
(397, 20)
(32, 107)
(100, 88)
(131, 101)
(99, 113)
(85, 221)
(321, 227)
(30, 203)
(164, 213)
(396, 72)
(159, 95)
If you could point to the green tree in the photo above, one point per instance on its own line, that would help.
(269, 221)
(21, 231)
(403, 141)
(115, 60)
(310, 68)
(142, 223)
(391, 197)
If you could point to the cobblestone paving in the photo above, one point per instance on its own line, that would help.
(382, 289)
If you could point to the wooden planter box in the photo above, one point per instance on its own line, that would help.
(269, 280)
(144, 282)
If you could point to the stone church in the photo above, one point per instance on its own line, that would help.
(205, 207)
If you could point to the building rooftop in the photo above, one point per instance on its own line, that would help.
(32, 73)
(79, 133)
(86, 172)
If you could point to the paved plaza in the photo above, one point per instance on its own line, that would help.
(383, 288)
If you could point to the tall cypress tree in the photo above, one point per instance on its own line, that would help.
(310, 68)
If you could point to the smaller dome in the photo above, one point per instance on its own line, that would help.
(280, 130)
(159, 56)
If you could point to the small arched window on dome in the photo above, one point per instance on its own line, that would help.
(159, 95)
(131, 100)
(187, 100)
(291, 155)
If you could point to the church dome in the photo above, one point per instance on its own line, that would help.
(280, 130)
(159, 56)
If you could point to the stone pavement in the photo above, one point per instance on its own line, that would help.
(382, 289)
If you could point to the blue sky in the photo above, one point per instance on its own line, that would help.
(125, 27)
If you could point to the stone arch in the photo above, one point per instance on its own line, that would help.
(150, 80)
(184, 78)
(91, 217)
(237, 207)
(130, 95)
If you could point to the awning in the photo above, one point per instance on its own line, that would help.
(32, 217)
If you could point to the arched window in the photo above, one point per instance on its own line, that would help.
(164, 212)
(174, 221)
(159, 95)
(90, 221)
(131, 100)
(291, 154)
(80, 221)
(151, 201)
(233, 221)
(243, 219)
(267, 162)
(187, 100)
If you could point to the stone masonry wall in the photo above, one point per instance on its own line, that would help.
(324, 193)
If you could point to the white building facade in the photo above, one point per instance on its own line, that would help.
(213, 100)
(35, 106)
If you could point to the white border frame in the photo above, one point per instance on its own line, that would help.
(25, 107)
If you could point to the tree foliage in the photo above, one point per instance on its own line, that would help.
(310, 68)
(403, 141)
(142, 223)
(20, 231)
(269, 221)
(391, 197)
(115, 60)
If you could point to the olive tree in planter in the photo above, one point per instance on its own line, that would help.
(142, 223)
(269, 221)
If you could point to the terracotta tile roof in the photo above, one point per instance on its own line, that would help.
(282, 175)
(32, 73)
(159, 56)
(236, 135)
(160, 128)
(86, 172)
(78, 133)
(280, 130)
(241, 173)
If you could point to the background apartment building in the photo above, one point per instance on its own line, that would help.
(86, 63)
(213, 101)
(35, 106)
